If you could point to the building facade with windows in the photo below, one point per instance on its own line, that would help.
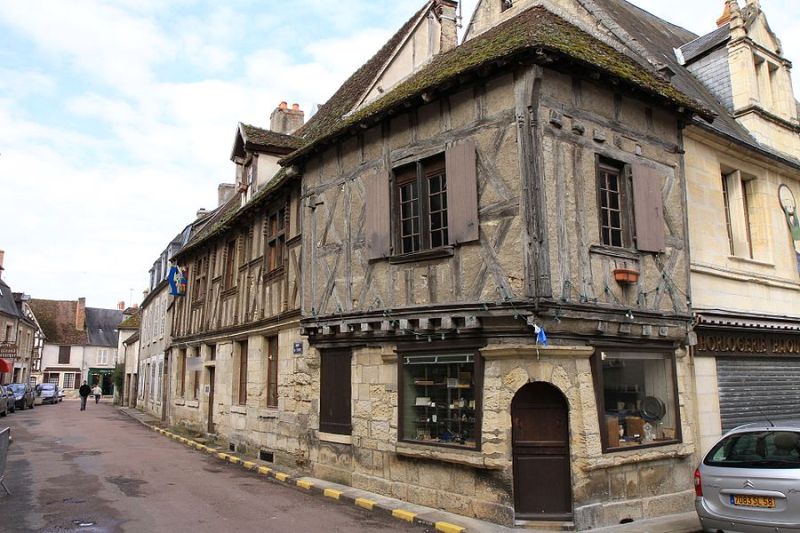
(496, 275)
(80, 343)
(231, 364)
(19, 334)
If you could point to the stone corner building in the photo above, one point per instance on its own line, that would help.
(468, 272)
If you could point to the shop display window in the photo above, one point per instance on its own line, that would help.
(440, 399)
(637, 399)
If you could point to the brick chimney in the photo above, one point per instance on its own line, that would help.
(80, 314)
(445, 11)
(285, 120)
(225, 192)
(121, 306)
(2, 255)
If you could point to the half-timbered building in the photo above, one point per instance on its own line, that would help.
(234, 332)
(495, 275)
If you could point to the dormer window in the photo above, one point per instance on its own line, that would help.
(506, 4)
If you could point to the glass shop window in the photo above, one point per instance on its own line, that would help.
(636, 399)
(440, 400)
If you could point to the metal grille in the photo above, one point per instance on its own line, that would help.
(752, 390)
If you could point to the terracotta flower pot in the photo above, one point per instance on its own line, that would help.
(626, 275)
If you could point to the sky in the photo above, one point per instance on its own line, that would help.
(117, 117)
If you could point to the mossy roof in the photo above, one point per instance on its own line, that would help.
(231, 213)
(260, 137)
(132, 322)
(535, 29)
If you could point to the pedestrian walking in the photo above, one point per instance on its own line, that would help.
(84, 391)
(97, 391)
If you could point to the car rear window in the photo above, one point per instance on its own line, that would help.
(757, 449)
(17, 387)
(48, 386)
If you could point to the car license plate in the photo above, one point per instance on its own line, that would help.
(753, 501)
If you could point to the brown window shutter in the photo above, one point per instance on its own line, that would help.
(378, 232)
(648, 209)
(462, 193)
(335, 392)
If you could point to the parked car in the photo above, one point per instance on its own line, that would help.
(61, 394)
(748, 481)
(47, 392)
(23, 395)
(9, 397)
(3, 402)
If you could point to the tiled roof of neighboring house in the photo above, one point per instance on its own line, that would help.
(101, 326)
(132, 321)
(705, 43)
(57, 320)
(7, 304)
(660, 38)
(230, 213)
(212, 224)
(261, 138)
(532, 31)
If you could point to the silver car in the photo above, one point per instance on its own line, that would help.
(750, 480)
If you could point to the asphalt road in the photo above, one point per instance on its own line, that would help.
(100, 471)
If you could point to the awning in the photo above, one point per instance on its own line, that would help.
(5, 366)
(52, 369)
(101, 371)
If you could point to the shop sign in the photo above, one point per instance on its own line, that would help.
(8, 350)
(749, 344)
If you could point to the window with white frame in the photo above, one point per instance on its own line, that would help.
(102, 357)
(741, 215)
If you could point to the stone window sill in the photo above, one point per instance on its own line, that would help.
(471, 458)
(749, 261)
(268, 413)
(335, 438)
(239, 409)
(640, 454)
(193, 403)
(180, 401)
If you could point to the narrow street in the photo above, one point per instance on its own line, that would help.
(99, 471)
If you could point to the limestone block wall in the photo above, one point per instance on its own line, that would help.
(607, 487)
(770, 281)
(254, 426)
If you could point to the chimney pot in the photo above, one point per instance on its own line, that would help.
(121, 305)
(202, 212)
(295, 107)
(2, 256)
(283, 105)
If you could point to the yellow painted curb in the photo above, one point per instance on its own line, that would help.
(234, 460)
(365, 503)
(248, 465)
(223, 456)
(264, 470)
(331, 493)
(408, 516)
(281, 477)
(304, 484)
(446, 527)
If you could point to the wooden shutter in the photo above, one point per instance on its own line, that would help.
(462, 193)
(335, 393)
(648, 209)
(378, 209)
(63, 354)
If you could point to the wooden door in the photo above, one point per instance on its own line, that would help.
(211, 372)
(540, 439)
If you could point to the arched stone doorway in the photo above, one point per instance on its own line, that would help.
(540, 440)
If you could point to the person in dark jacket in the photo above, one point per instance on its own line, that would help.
(84, 391)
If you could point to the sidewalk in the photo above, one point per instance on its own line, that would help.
(425, 516)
